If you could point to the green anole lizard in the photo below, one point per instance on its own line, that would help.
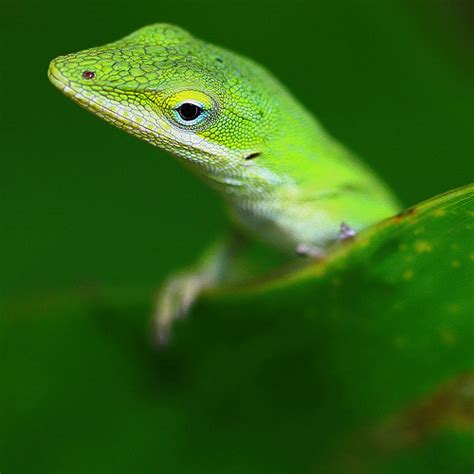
(284, 179)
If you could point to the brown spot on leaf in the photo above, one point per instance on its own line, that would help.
(408, 275)
(423, 246)
(450, 407)
(406, 213)
(439, 212)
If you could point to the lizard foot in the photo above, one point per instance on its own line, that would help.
(346, 232)
(174, 300)
(311, 251)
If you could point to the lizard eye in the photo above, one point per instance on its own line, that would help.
(189, 109)
(189, 112)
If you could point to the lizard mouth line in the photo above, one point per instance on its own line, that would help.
(90, 104)
(152, 135)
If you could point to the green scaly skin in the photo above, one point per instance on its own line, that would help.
(284, 180)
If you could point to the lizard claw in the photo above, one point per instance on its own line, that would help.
(346, 232)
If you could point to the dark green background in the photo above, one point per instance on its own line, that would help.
(82, 205)
(82, 202)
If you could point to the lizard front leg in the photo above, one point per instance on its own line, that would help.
(309, 250)
(180, 291)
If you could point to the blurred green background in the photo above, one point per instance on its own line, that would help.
(84, 205)
(82, 202)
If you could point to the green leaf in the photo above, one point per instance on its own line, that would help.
(362, 363)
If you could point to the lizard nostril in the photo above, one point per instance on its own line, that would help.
(88, 75)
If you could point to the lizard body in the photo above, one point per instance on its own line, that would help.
(284, 179)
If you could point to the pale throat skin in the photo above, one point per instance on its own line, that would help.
(284, 180)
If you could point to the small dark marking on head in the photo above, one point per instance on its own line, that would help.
(88, 75)
(252, 156)
(219, 60)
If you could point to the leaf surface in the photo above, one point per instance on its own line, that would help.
(363, 363)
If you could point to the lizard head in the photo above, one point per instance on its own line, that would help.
(202, 103)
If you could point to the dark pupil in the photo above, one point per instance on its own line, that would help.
(188, 111)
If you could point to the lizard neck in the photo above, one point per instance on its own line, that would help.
(292, 149)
